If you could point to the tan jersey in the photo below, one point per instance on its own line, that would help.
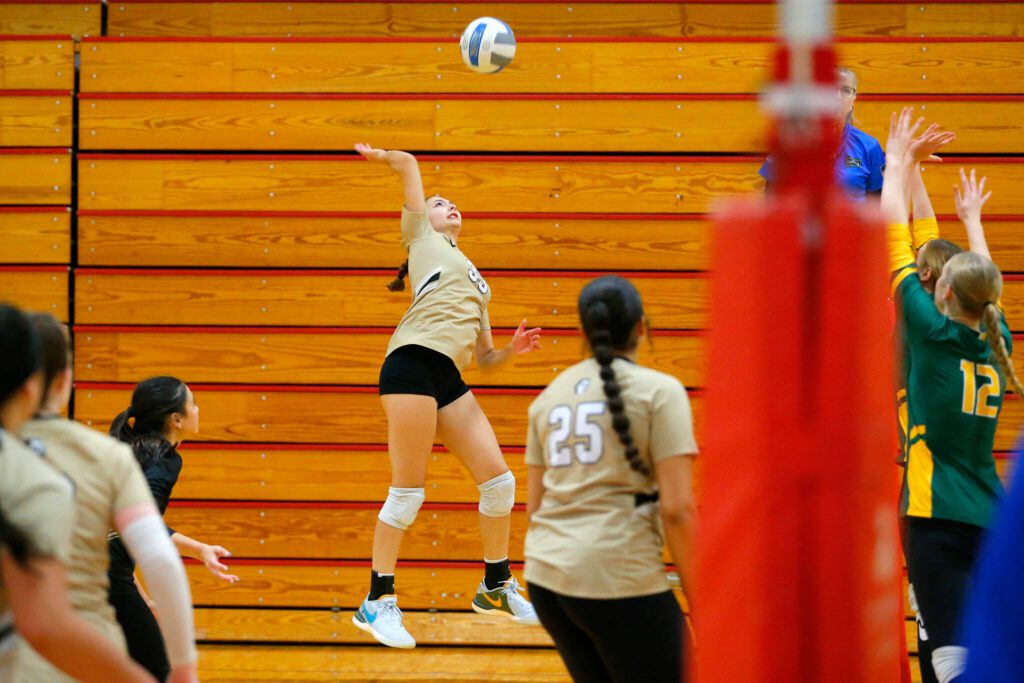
(589, 539)
(37, 500)
(449, 296)
(107, 479)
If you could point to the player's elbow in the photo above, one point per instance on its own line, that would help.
(679, 512)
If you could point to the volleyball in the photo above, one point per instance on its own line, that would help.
(487, 45)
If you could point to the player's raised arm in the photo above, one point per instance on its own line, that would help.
(970, 196)
(405, 165)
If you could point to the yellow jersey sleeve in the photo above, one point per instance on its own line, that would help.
(925, 230)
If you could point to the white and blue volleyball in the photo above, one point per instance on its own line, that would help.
(488, 45)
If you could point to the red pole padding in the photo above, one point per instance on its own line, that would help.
(798, 555)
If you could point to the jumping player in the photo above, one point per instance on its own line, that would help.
(960, 366)
(610, 452)
(423, 395)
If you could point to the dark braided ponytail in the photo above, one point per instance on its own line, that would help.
(398, 284)
(610, 309)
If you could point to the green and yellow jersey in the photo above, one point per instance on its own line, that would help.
(954, 397)
(924, 231)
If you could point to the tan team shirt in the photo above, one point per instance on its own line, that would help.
(588, 539)
(37, 500)
(449, 296)
(107, 479)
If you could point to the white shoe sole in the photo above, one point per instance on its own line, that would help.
(502, 613)
(383, 640)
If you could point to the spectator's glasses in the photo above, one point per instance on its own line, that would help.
(846, 92)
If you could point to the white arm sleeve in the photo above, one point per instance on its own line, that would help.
(147, 540)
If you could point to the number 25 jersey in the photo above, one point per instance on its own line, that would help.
(589, 538)
(449, 296)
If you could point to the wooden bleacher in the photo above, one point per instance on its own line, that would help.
(34, 118)
(353, 298)
(35, 235)
(352, 240)
(37, 62)
(224, 231)
(555, 123)
(76, 18)
(328, 356)
(566, 184)
(35, 176)
(691, 19)
(578, 65)
(37, 288)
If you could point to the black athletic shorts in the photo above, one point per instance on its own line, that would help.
(414, 369)
(940, 558)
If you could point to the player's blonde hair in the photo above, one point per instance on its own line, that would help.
(937, 253)
(977, 285)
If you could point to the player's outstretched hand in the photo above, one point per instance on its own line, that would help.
(524, 340)
(925, 145)
(210, 556)
(371, 153)
(970, 196)
(901, 134)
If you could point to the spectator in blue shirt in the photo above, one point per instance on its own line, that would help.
(860, 160)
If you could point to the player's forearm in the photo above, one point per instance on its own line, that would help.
(494, 358)
(976, 238)
(920, 201)
(679, 535)
(189, 547)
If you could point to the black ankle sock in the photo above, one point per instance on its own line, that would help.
(381, 584)
(496, 573)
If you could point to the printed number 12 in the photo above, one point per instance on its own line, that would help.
(975, 401)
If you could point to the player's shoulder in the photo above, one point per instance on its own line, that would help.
(648, 380)
(574, 380)
(62, 433)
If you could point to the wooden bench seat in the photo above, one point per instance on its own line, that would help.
(477, 184)
(354, 416)
(332, 473)
(554, 124)
(36, 288)
(341, 415)
(361, 298)
(542, 66)
(267, 663)
(35, 119)
(658, 242)
(550, 19)
(75, 19)
(37, 62)
(321, 626)
(666, 242)
(35, 176)
(35, 235)
(341, 531)
(319, 473)
(306, 356)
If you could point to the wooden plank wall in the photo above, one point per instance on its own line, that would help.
(37, 80)
(222, 230)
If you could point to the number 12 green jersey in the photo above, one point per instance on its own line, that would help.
(955, 394)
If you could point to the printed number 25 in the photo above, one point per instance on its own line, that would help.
(589, 446)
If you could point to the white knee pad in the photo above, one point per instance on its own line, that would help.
(498, 495)
(949, 662)
(401, 506)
